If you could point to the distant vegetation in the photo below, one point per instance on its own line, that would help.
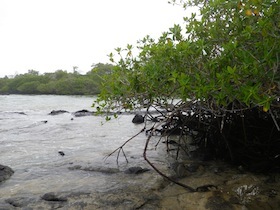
(59, 83)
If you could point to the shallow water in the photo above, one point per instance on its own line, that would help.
(30, 140)
(30, 146)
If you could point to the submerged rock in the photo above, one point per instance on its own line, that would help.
(136, 170)
(22, 113)
(56, 112)
(82, 113)
(53, 197)
(61, 153)
(5, 173)
(99, 169)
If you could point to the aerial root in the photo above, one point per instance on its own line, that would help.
(120, 149)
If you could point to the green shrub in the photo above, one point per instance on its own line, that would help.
(223, 74)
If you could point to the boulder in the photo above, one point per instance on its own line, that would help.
(138, 119)
(5, 173)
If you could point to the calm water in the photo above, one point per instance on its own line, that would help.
(30, 146)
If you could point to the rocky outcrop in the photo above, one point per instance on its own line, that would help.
(5, 173)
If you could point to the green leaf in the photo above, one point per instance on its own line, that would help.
(231, 70)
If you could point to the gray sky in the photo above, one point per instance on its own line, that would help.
(47, 35)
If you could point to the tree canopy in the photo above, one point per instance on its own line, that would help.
(60, 82)
(230, 53)
(222, 70)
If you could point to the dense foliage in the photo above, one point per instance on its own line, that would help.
(230, 53)
(59, 82)
(222, 69)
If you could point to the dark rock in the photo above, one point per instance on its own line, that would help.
(206, 188)
(82, 113)
(56, 112)
(5, 173)
(102, 170)
(22, 113)
(136, 170)
(53, 197)
(61, 153)
(138, 119)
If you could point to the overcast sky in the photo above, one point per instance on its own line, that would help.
(48, 35)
